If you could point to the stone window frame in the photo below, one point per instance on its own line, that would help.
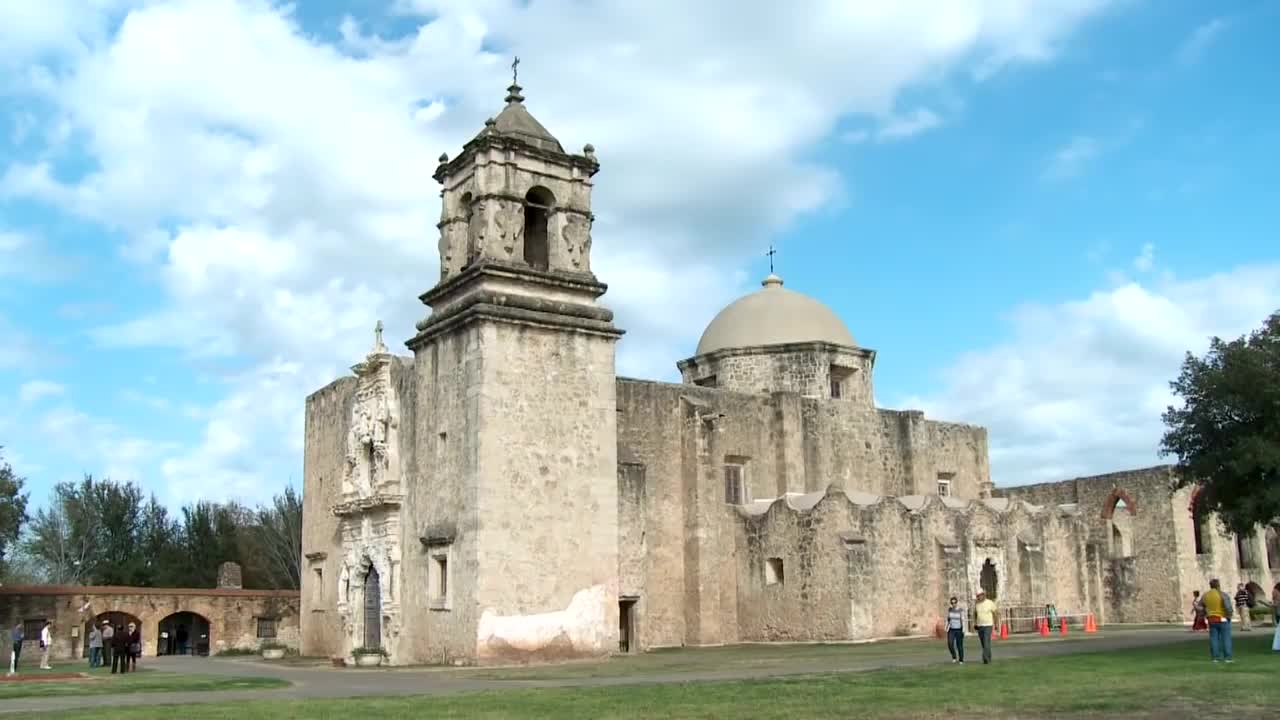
(837, 376)
(774, 571)
(740, 463)
(945, 480)
(268, 628)
(439, 577)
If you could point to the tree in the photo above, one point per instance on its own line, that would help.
(160, 543)
(279, 533)
(117, 557)
(1226, 435)
(64, 535)
(13, 510)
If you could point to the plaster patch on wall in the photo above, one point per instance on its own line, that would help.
(577, 630)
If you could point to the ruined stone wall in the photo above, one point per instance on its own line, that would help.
(442, 501)
(832, 566)
(1138, 574)
(547, 497)
(328, 413)
(232, 614)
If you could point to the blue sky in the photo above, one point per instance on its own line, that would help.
(1029, 210)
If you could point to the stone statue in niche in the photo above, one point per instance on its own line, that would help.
(372, 422)
(476, 231)
(576, 234)
(505, 230)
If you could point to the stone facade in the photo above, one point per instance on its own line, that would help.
(517, 501)
(1148, 551)
(232, 618)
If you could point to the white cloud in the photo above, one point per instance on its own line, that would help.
(1194, 47)
(904, 126)
(1146, 259)
(33, 391)
(282, 187)
(1071, 159)
(101, 445)
(1078, 388)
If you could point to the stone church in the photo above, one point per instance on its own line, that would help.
(502, 495)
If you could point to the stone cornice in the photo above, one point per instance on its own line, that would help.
(365, 504)
(486, 141)
(783, 348)
(316, 556)
(479, 311)
(585, 283)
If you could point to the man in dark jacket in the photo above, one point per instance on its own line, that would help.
(16, 636)
(120, 651)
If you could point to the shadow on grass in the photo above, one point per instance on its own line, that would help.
(145, 680)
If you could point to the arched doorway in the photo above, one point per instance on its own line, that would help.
(989, 580)
(117, 619)
(372, 609)
(183, 633)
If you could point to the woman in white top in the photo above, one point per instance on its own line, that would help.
(46, 639)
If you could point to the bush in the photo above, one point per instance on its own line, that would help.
(235, 652)
(370, 651)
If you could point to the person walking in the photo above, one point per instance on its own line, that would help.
(108, 644)
(46, 640)
(17, 635)
(1217, 608)
(955, 631)
(1244, 601)
(985, 620)
(1198, 621)
(95, 647)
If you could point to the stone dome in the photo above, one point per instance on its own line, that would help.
(773, 315)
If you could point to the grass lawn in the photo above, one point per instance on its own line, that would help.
(102, 682)
(1173, 681)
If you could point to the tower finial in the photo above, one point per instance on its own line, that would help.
(771, 253)
(513, 92)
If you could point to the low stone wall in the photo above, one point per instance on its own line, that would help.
(233, 614)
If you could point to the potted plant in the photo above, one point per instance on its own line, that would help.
(272, 650)
(368, 657)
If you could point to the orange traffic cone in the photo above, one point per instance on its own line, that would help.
(1044, 627)
(1004, 631)
(1089, 625)
(1064, 627)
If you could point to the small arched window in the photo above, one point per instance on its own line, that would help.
(537, 212)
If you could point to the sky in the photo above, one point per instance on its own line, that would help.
(1030, 210)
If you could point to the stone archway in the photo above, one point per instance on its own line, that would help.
(183, 633)
(118, 620)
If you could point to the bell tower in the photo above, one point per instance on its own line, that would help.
(515, 498)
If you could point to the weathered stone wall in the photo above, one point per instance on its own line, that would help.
(442, 503)
(232, 614)
(676, 529)
(1144, 546)
(328, 413)
(857, 566)
(548, 493)
(801, 368)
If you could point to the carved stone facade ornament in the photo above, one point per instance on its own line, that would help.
(370, 504)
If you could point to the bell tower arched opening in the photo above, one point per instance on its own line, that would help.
(537, 215)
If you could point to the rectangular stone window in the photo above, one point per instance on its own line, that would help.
(735, 483)
(317, 594)
(438, 578)
(708, 381)
(839, 381)
(267, 628)
(944, 483)
(773, 571)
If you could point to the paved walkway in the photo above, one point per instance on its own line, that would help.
(322, 682)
